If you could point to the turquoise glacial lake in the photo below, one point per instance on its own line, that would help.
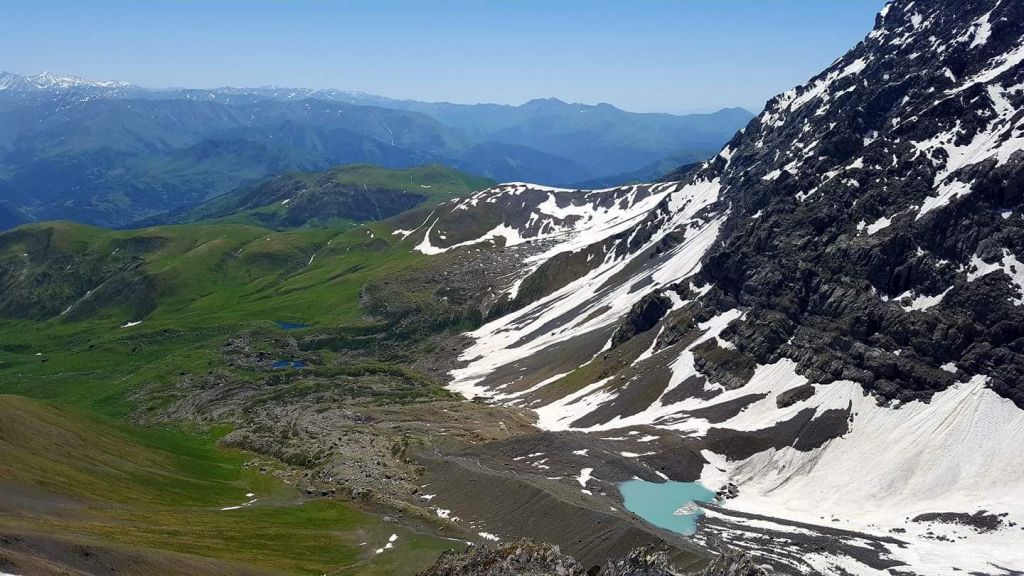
(669, 505)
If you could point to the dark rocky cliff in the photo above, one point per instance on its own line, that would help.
(875, 214)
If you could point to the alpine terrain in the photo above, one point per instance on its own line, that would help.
(824, 323)
(801, 355)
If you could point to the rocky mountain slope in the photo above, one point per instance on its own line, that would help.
(837, 295)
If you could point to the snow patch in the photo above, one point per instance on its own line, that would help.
(956, 453)
(879, 224)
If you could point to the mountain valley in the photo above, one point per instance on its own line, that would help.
(802, 350)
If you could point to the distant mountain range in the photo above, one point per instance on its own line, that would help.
(112, 154)
(48, 81)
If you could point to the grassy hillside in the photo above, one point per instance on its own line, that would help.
(87, 312)
(194, 273)
(153, 500)
(339, 197)
(96, 325)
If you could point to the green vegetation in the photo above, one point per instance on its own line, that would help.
(195, 275)
(87, 479)
(337, 198)
(79, 365)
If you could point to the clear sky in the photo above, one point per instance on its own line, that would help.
(669, 56)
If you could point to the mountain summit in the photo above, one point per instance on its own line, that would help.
(48, 81)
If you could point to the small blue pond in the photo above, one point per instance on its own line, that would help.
(289, 364)
(290, 325)
(670, 505)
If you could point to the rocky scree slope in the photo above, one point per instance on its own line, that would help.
(527, 558)
(837, 294)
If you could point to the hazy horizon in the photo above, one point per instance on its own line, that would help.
(681, 57)
(30, 74)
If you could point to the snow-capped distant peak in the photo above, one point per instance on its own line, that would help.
(50, 81)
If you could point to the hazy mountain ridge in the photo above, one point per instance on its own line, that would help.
(9, 218)
(667, 169)
(111, 153)
(47, 81)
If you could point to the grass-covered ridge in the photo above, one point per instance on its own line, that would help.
(88, 314)
(339, 197)
(190, 275)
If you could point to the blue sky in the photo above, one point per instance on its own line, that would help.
(668, 56)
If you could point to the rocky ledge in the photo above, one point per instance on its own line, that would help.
(527, 558)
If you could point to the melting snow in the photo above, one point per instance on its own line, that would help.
(982, 31)
(956, 453)
(388, 546)
(588, 300)
(879, 224)
(946, 193)
(1009, 264)
(919, 302)
(251, 501)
